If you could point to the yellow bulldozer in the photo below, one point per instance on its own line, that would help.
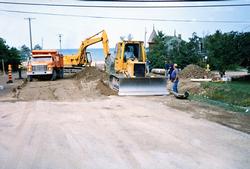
(127, 70)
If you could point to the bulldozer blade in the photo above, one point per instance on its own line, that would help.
(142, 86)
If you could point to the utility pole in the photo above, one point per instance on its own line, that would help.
(60, 41)
(145, 36)
(30, 32)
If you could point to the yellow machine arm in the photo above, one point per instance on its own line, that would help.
(81, 57)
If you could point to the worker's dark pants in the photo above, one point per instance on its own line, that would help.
(20, 73)
(175, 86)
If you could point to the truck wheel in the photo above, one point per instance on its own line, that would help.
(29, 78)
(62, 73)
(53, 75)
(57, 74)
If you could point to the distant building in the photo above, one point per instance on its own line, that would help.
(173, 41)
(151, 38)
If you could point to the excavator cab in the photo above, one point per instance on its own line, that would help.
(89, 58)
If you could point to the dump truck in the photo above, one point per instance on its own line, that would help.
(45, 64)
(127, 71)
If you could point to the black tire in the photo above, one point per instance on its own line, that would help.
(62, 73)
(58, 74)
(29, 78)
(53, 75)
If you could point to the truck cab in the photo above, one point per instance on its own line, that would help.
(45, 64)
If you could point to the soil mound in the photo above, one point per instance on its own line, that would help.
(104, 89)
(91, 74)
(194, 71)
(93, 77)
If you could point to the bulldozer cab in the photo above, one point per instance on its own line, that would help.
(132, 51)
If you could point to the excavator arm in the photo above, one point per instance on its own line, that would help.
(81, 57)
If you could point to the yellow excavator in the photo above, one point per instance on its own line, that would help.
(127, 70)
(126, 67)
(83, 58)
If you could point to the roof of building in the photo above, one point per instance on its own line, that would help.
(152, 36)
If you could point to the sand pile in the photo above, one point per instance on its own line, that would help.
(194, 71)
(104, 88)
(94, 78)
(91, 74)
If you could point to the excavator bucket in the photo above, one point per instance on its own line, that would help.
(142, 86)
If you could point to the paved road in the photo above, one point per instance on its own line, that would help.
(115, 133)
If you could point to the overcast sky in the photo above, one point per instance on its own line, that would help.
(14, 28)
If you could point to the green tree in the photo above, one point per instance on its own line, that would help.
(194, 51)
(14, 57)
(223, 51)
(158, 53)
(175, 50)
(180, 54)
(37, 47)
(244, 48)
(3, 49)
(24, 52)
(8, 55)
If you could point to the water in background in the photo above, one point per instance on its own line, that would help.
(96, 53)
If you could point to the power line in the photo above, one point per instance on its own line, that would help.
(149, 0)
(126, 18)
(126, 6)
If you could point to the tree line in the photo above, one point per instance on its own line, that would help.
(12, 55)
(222, 51)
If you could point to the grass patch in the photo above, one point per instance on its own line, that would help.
(226, 106)
(231, 95)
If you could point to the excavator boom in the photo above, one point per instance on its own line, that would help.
(81, 59)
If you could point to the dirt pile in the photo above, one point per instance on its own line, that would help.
(104, 88)
(95, 78)
(91, 74)
(192, 87)
(194, 71)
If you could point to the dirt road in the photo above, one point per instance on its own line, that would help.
(116, 132)
(74, 123)
(63, 89)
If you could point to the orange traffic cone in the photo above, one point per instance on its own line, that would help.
(10, 74)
